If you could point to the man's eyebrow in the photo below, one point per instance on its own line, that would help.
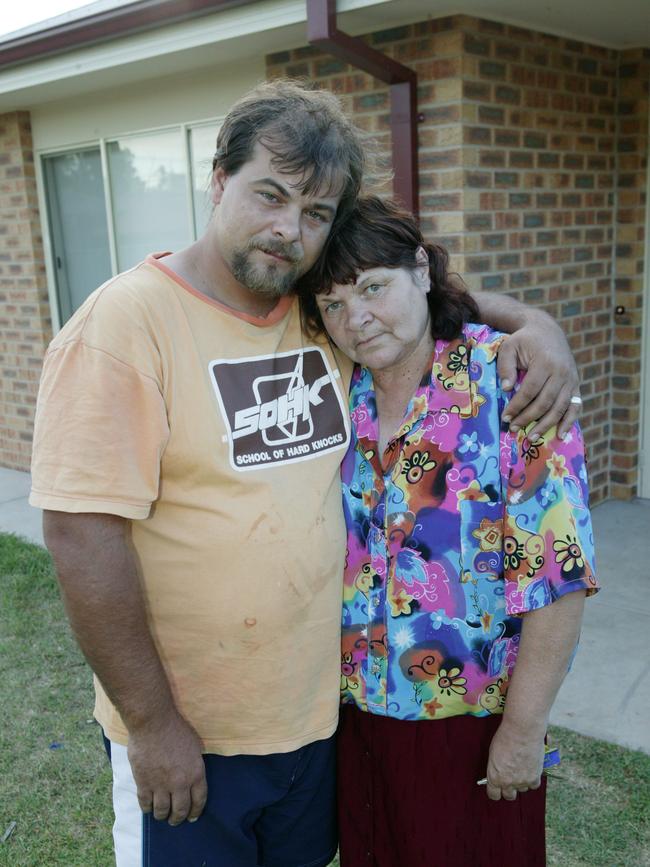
(271, 182)
(319, 206)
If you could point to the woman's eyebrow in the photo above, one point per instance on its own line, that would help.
(370, 274)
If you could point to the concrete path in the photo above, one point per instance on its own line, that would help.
(607, 693)
(16, 515)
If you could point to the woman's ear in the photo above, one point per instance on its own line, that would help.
(422, 267)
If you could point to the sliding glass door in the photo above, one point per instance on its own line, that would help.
(78, 226)
(111, 204)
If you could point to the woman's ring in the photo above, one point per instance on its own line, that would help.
(576, 399)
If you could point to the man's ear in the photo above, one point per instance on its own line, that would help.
(422, 267)
(217, 185)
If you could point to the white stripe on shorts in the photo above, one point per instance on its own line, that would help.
(127, 830)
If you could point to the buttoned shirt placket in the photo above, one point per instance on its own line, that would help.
(384, 469)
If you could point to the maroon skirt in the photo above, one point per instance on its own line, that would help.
(408, 797)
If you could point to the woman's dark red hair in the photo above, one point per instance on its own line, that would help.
(379, 233)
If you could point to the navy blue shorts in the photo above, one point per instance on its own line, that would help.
(262, 811)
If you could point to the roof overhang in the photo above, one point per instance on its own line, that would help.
(237, 30)
(149, 38)
(104, 25)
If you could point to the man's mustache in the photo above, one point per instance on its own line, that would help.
(277, 248)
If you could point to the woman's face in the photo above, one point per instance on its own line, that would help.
(382, 318)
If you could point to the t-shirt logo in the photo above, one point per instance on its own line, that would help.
(279, 408)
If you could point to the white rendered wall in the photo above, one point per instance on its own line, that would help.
(180, 98)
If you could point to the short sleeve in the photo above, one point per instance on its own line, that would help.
(548, 545)
(100, 431)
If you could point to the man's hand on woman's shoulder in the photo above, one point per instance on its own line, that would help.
(545, 396)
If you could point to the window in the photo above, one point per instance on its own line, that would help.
(148, 185)
(203, 143)
(78, 226)
(111, 204)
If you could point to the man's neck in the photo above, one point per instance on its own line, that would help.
(204, 269)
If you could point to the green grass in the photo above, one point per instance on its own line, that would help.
(59, 798)
(598, 813)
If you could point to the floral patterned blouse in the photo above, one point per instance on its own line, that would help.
(457, 528)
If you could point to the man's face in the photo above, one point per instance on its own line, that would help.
(267, 231)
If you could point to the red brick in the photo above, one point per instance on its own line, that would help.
(28, 329)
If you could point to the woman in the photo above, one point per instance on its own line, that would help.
(469, 552)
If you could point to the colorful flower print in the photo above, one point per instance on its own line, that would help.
(469, 443)
(569, 553)
(454, 531)
(473, 491)
(513, 553)
(490, 535)
(530, 450)
(557, 465)
(458, 359)
(451, 681)
(400, 603)
(432, 706)
(417, 465)
(365, 579)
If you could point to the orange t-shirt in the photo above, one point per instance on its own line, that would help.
(220, 436)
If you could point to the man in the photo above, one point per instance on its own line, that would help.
(186, 453)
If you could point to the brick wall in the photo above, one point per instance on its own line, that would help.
(533, 172)
(540, 139)
(24, 310)
(632, 164)
(519, 178)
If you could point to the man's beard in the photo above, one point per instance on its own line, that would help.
(269, 280)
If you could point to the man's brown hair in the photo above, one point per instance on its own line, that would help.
(306, 131)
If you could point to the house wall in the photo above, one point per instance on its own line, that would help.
(197, 95)
(25, 323)
(527, 176)
(533, 171)
(632, 147)
(24, 308)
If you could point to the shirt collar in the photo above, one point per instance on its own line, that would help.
(445, 387)
(449, 386)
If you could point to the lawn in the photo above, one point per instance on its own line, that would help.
(55, 784)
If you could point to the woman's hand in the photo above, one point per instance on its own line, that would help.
(515, 763)
(548, 639)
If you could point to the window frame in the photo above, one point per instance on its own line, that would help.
(184, 129)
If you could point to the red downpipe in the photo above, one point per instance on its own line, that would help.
(322, 32)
